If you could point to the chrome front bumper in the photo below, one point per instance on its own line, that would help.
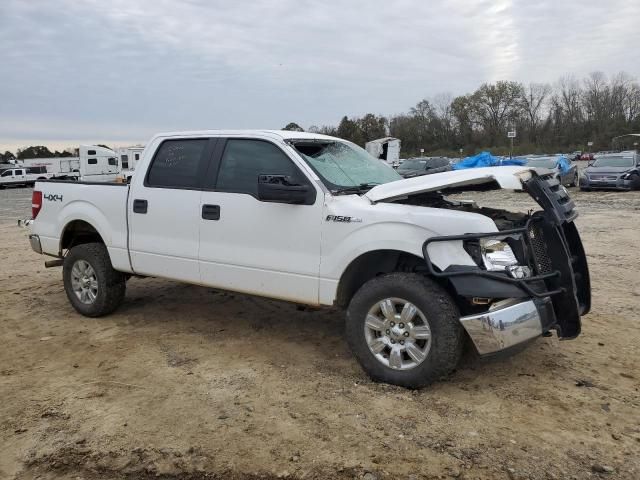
(504, 325)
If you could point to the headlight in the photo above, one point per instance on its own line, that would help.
(496, 256)
(626, 176)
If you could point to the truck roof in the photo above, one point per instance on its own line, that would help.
(281, 134)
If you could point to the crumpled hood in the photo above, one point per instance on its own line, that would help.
(509, 178)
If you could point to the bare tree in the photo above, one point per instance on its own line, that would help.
(533, 100)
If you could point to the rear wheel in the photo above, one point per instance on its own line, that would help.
(404, 329)
(93, 287)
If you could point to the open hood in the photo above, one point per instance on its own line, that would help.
(509, 178)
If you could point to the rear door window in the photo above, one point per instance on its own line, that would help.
(178, 164)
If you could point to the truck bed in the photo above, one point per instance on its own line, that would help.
(101, 204)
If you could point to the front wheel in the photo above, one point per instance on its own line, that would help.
(404, 329)
(574, 182)
(93, 287)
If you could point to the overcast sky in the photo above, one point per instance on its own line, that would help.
(118, 71)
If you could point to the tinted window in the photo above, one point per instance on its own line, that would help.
(6, 174)
(92, 161)
(437, 162)
(91, 152)
(137, 156)
(19, 172)
(412, 165)
(177, 164)
(244, 160)
(125, 160)
(113, 161)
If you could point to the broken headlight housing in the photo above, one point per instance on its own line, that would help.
(496, 255)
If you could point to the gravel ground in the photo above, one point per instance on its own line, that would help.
(188, 382)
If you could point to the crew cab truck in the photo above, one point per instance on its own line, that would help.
(21, 176)
(315, 220)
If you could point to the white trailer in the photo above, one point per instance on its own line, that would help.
(386, 149)
(129, 158)
(93, 164)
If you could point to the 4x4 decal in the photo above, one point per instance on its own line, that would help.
(52, 197)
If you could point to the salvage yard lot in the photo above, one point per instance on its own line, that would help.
(189, 382)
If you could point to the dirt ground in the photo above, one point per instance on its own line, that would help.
(188, 382)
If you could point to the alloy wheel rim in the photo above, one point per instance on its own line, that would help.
(397, 334)
(84, 282)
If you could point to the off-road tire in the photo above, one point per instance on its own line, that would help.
(111, 283)
(438, 307)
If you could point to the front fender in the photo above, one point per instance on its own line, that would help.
(406, 238)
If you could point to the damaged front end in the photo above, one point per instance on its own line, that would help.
(529, 277)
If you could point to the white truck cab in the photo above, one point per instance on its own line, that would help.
(315, 220)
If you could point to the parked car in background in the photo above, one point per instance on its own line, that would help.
(619, 171)
(565, 172)
(415, 167)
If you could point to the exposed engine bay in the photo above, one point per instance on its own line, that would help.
(504, 219)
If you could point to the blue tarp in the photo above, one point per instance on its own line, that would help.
(563, 164)
(485, 159)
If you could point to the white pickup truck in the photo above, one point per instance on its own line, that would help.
(315, 220)
(22, 176)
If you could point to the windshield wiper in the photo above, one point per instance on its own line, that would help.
(363, 187)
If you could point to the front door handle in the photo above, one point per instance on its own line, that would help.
(140, 206)
(211, 212)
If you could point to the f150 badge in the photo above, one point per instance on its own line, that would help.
(52, 197)
(342, 219)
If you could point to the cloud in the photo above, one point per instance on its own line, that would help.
(124, 69)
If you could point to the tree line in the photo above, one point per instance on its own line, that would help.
(565, 116)
(38, 151)
(548, 118)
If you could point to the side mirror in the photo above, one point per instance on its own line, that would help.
(283, 189)
(590, 163)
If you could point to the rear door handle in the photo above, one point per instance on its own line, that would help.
(211, 212)
(140, 206)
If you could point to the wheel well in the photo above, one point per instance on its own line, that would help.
(370, 265)
(78, 232)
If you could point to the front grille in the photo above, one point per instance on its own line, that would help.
(603, 178)
(541, 259)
